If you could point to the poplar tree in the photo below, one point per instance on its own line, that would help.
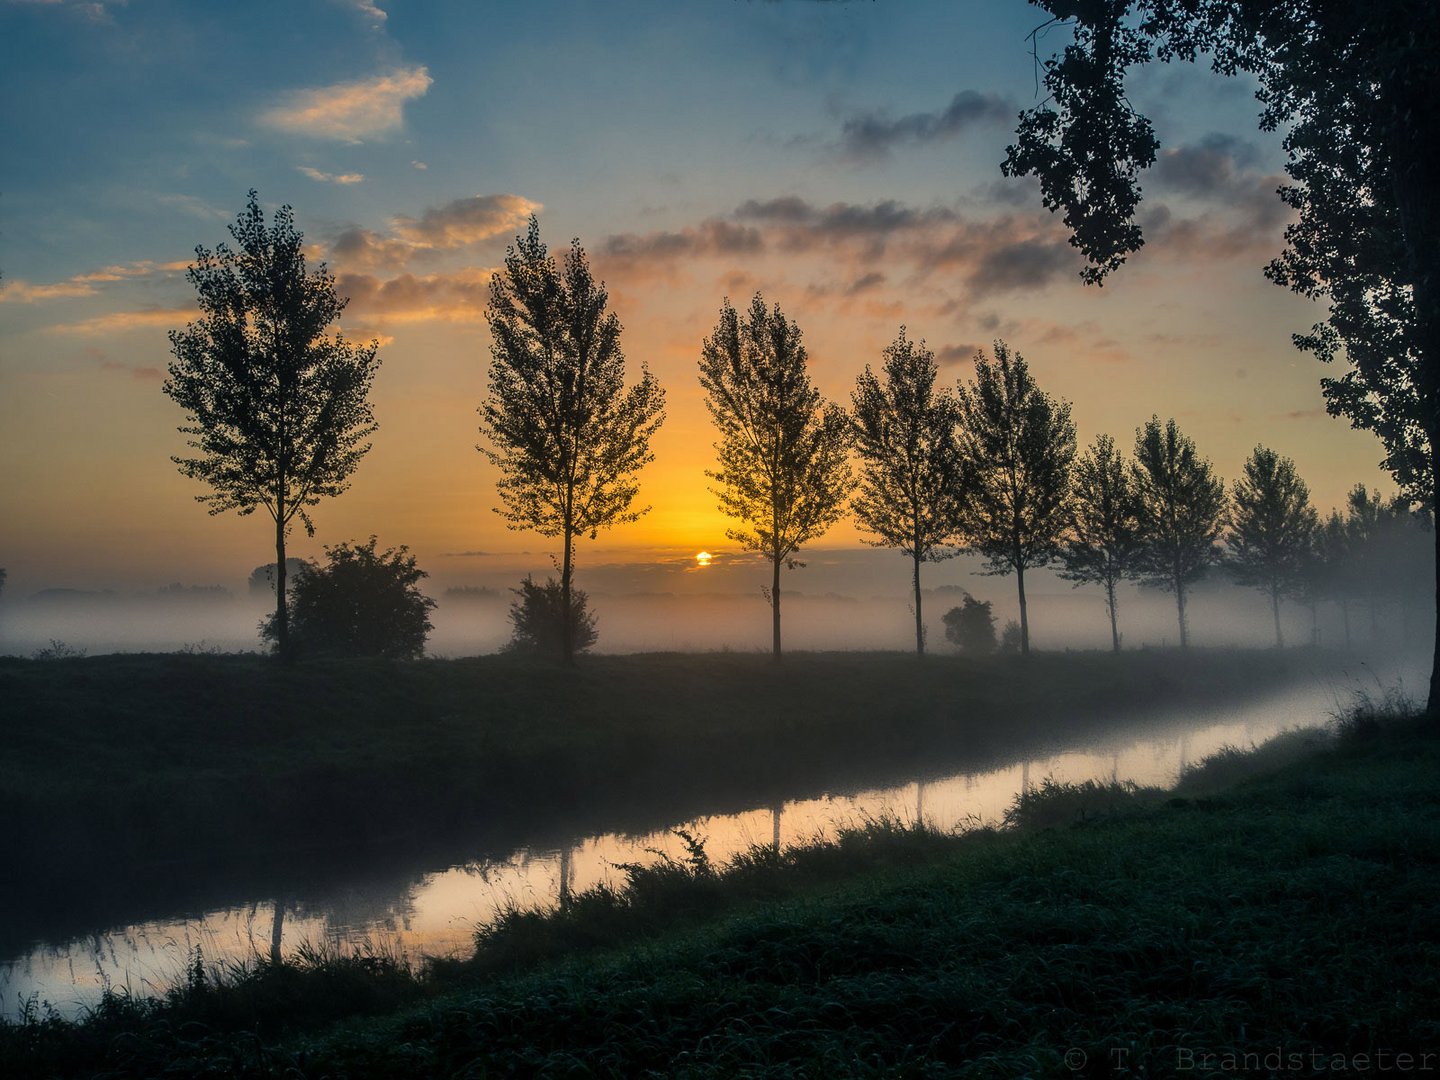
(783, 468)
(911, 483)
(1018, 445)
(568, 437)
(1181, 509)
(1103, 544)
(1272, 529)
(278, 411)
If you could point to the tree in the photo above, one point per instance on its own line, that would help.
(539, 622)
(1103, 543)
(567, 435)
(1181, 510)
(1019, 446)
(971, 627)
(1354, 87)
(783, 468)
(361, 603)
(278, 412)
(910, 489)
(1273, 529)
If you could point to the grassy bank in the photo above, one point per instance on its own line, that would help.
(1287, 902)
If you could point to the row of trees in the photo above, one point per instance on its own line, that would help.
(279, 415)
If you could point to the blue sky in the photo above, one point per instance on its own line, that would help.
(840, 157)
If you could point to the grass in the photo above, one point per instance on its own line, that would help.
(1286, 901)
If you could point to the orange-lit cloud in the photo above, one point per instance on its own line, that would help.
(331, 178)
(23, 292)
(457, 296)
(452, 226)
(350, 111)
(117, 322)
(135, 371)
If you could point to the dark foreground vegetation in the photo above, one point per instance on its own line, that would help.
(1284, 902)
(239, 776)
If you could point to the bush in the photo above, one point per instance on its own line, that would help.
(538, 621)
(362, 603)
(1010, 637)
(971, 626)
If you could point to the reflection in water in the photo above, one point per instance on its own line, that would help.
(439, 913)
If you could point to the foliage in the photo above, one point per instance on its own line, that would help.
(783, 470)
(1018, 445)
(1273, 528)
(568, 437)
(1180, 508)
(1010, 638)
(278, 412)
(58, 650)
(971, 627)
(539, 623)
(1353, 87)
(910, 488)
(1102, 544)
(361, 603)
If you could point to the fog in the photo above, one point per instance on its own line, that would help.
(841, 599)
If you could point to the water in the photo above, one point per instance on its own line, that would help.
(433, 911)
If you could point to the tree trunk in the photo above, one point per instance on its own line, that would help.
(1414, 149)
(919, 619)
(282, 606)
(1024, 614)
(775, 610)
(1114, 619)
(1275, 607)
(277, 933)
(1180, 611)
(567, 619)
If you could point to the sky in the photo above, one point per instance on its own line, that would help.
(840, 158)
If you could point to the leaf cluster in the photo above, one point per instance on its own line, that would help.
(566, 434)
(783, 466)
(277, 410)
(361, 603)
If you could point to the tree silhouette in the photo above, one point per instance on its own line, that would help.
(361, 603)
(782, 451)
(1019, 446)
(1273, 529)
(538, 620)
(910, 489)
(971, 627)
(1181, 510)
(566, 433)
(1354, 87)
(1103, 543)
(278, 411)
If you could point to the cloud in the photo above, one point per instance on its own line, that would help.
(1211, 167)
(713, 236)
(956, 354)
(135, 371)
(24, 292)
(457, 296)
(331, 178)
(465, 221)
(870, 136)
(368, 10)
(350, 111)
(419, 165)
(120, 321)
(16, 291)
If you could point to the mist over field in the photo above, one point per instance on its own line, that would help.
(840, 600)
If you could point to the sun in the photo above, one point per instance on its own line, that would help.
(702, 558)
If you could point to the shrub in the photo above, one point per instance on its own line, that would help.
(539, 623)
(362, 603)
(971, 627)
(1010, 637)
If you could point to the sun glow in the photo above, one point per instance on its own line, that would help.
(702, 558)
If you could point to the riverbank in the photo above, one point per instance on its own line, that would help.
(148, 783)
(1285, 902)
